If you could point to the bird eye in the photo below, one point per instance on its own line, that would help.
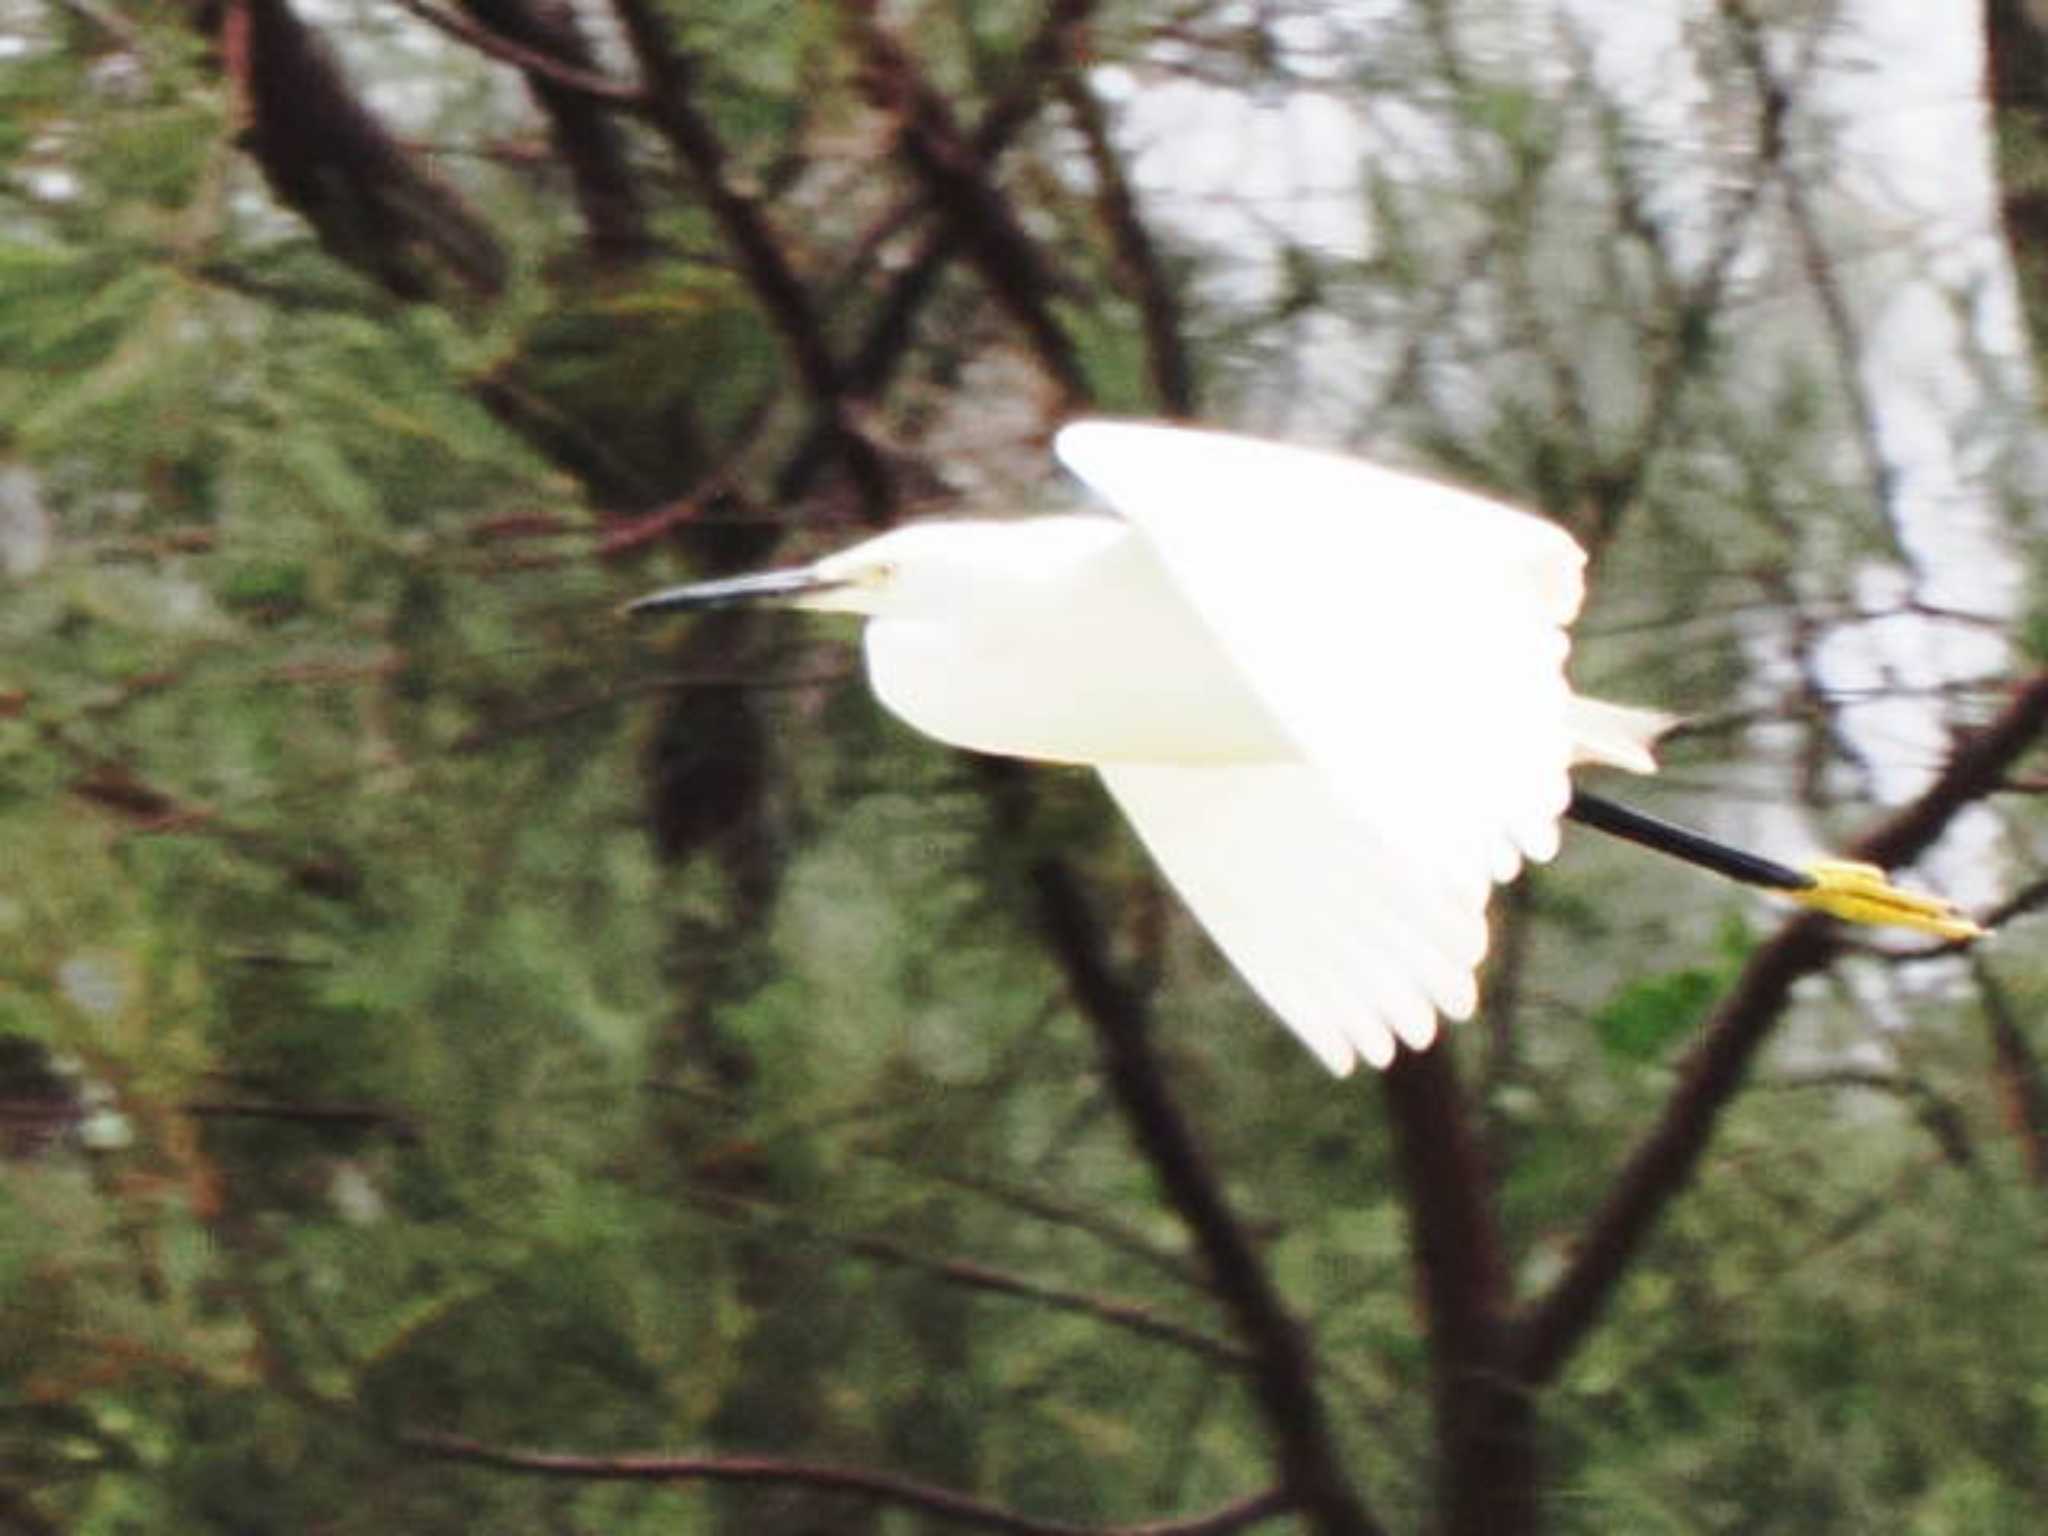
(881, 573)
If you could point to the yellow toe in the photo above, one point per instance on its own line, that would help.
(1861, 893)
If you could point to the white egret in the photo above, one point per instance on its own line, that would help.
(1329, 697)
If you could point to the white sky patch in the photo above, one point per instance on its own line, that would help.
(51, 184)
(1248, 175)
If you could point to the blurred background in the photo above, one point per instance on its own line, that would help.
(470, 1065)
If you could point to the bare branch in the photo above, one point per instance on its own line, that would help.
(893, 327)
(329, 159)
(1975, 771)
(1685, 349)
(1032, 1202)
(1663, 1162)
(1173, 374)
(2016, 1070)
(1848, 340)
(766, 266)
(560, 67)
(878, 1487)
(1486, 1452)
(2016, 80)
(958, 183)
(2028, 898)
(506, 50)
(1940, 1116)
(1114, 1311)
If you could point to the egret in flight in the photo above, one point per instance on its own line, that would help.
(1329, 697)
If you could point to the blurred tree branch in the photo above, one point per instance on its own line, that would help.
(767, 267)
(956, 179)
(1485, 1417)
(502, 40)
(548, 44)
(892, 329)
(329, 158)
(1145, 273)
(1113, 1311)
(858, 1482)
(2016, 1072)
(2016, 80)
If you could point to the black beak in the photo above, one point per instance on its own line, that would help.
(767, 587)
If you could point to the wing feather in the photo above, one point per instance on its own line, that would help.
(1410, 637)
(1306, 903)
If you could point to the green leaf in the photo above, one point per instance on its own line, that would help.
(1646, 1017)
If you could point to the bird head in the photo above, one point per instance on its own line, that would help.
(921, 570)
(829, 586)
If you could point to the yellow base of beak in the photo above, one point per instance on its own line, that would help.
(1860, 893)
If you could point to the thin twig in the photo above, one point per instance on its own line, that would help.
(584, 82)
(1940, 1116)
(766, 266)
(957, 181)
(1827, 289)
(1684, 350)
(890, 332)
(1115, 1311)
(879, 1487)
(1032, 1202)
(2028, 898)
(1166, 354)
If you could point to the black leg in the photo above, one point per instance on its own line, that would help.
(1649, 832)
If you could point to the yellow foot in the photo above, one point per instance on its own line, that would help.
(1860, 893)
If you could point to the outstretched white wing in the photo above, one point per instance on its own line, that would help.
(1411, 639)
(1294, 889)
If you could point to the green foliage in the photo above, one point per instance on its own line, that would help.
(1647, 1017)
(2032, 635)
(1782, 1379)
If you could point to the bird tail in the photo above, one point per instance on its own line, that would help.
(1618, 735)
